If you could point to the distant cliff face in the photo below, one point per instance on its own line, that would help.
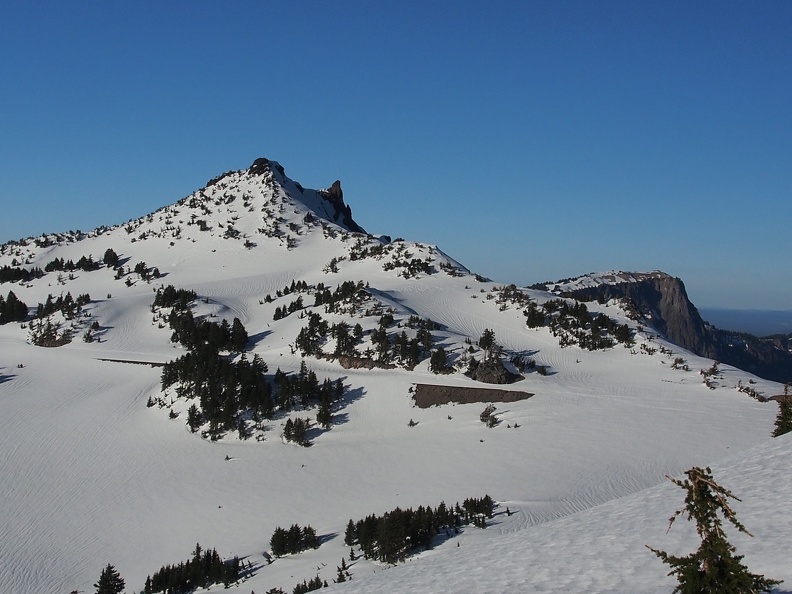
(661, 300)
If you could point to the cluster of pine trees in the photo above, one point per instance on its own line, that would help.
(283, 311)
(409, 267)
(297, 431)
(387, 348)
(311, 337)
(170, 296)
(12, 309)
(229, 392)
(224, 389)
(293, 540)
(346, 296)
(304, 388)
(573, 323)
(15, 274)
(296, 286)
(85, 263)
(197, 334)
(403, 349)
(363, 248)
(48, 333)
(204, 569)
(66, 304)
(304, 587)
(390, 538)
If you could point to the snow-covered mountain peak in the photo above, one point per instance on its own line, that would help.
(142, 420)
(327, 203)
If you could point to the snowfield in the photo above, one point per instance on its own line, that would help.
(91, 475)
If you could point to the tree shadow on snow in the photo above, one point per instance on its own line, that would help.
(248, 568)
(323, 538)
(341, 418)
(255, 339)
(5, 378)
(351, 395)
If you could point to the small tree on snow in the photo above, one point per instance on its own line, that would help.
(110, 581)
(713, 568)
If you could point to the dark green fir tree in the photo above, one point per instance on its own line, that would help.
(783, 422)
(110, 581)
(713, 568)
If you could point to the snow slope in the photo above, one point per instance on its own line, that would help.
(92, 476)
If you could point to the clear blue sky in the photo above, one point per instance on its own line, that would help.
(530, 140)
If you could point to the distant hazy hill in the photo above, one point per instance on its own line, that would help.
(754, 321)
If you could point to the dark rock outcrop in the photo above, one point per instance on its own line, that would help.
(427, 395)
(661, 302)
(350, 362)
(343, 213)
(493, 371)
(334, 195)
(263, 165)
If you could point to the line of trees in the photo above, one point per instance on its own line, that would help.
(394, 535)
(66, 304)
(204, 334)
(170, 296)
(293, 540)
(204, 569)
(15, 274)
(85, 263)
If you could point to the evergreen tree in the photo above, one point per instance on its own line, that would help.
(193, 418)
(438, 361)
(783, 422)
(110, 581)
(239, 336)
(110, 258)
(487, 342)
(288, 430)
(309, 538)
(713, 568)
(350, 536)
(324, 416)
(279, 542)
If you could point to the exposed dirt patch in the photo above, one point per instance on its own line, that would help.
(349, 362)
(151, 363)
(427, 395)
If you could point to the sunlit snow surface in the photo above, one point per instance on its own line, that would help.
(91, 476)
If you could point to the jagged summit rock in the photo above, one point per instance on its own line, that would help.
(343, 213)
(339, 212)
(262, 165)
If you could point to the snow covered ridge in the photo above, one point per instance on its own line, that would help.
(92, 476)
(222, 206)
(596, 279)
